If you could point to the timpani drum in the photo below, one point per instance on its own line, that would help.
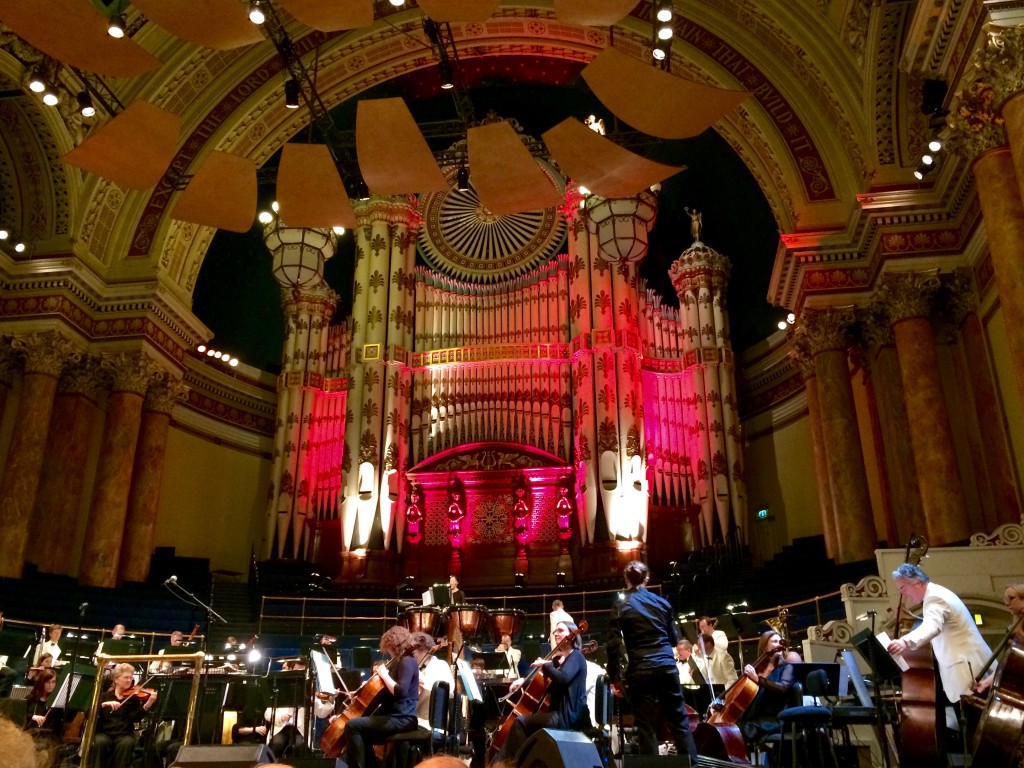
(469, 619)
(421, 618)
(507, 621)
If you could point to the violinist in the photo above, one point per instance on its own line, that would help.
(42, 721)
(642, 627)
(398, 712)
(45, 662)
(163, 667)
(120, 708)
(566, 673)
(432, 670)
(774, 676)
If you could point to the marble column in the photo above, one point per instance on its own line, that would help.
(890, 424)
(827, 338)
(45, 356)
(997, 461)
(101, 554)
(10, 367)
(999, 65)
(977, 134)
(907, 299)
(58, 504)
(144, 496)
(819, 450)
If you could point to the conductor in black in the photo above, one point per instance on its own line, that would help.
(641, 630)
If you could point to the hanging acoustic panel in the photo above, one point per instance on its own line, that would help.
(222, 194)
(331, 15)
(504, 173)
(393, 155)
(218, 24)
(459, 10)
(75, 32)
(593, 13)
(654, 101)
(310, 192)
(601, 165)
(133, 149)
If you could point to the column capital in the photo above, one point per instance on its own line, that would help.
(132, 372)
(800, 356)
(960, 297)
(162, 396)
(875, 327)
(976, 125)
(908, 294)
(10, 365)
(1001, 59)
(826, 329)
(47, 352)
(86, 377)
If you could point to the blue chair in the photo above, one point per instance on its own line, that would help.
(809, 724)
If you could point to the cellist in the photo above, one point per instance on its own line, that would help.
(397, 713)
(774, 677)
(566, 672)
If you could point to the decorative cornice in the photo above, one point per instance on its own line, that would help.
(975, 125)
(868, 587)
(1007, 535)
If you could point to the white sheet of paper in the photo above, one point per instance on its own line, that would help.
(884, 639)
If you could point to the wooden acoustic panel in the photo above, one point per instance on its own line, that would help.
(310, 192)
(331, 15)
(222, 194)
(219, 24)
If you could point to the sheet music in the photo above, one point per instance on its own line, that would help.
(884, 639)
(469, 681)
(323, 668)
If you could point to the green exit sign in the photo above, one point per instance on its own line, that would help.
(762, 514)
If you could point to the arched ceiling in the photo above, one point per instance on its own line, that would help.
(804, 136)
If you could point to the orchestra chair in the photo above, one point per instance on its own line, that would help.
(810, 723)
(413, 746)
(600, 734)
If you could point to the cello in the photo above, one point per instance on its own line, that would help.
(364, 701)
(721, 739)
(533, 695)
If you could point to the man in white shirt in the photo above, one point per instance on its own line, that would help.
(689, 673)
(512, 655)
(717, 667)
(708, 625)
(433, 671)
(558, 615)
(49, 646)
(163, 667)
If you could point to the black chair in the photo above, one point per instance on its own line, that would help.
(602, 716)
(412, 747)
(812, 723)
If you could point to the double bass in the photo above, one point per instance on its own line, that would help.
(532, 695)
(1001, 728)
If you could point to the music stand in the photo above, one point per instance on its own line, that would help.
(494, 660)
(469, 682)
(883, 667)
(801, 669)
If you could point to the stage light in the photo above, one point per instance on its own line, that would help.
(935, 145)
(338, 230)
(201, 348)
(19, 247)
(274, 206)
(50, 97)
(660, 51)
(233, 362)
(927, 159)
(462, 179)
(397, 3)
(664, 13)
(791, 318)
(4, 233)
(782, 325)
(115, 26)
(447, 81)
(665, 32)
(265, 217)
(36, 82)
(256, 15)
(291, 94)
(85, 105)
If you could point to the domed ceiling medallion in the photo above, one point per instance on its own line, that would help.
(461, 238)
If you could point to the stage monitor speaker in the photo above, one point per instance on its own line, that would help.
(558, 749)
(656, 761)
(223, 756)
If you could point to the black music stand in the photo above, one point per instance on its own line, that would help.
(884, 668)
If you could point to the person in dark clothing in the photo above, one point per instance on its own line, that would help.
(774, 676)
(642, 632)
(398, 712)
(41, 720)
(118, 712)
(566, 673)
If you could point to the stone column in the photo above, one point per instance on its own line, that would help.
(80, 390)
(10, 366)
(827, 338)
(144, 496)
(897, 460)
(101, 553)
(1000, 66)
(997, 461)
(977, 134)
(907, 299)
(45, 355)
(803, 360)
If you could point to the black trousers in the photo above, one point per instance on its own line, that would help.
(362, 733)
(647, 691)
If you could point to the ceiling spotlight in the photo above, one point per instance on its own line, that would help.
(4, 233)
(115, 27)
(35, 81)
(201, 348)
(782, 325)
(85, 105)
(50, 97)
(19, 247)
(927, 159)
(274, 206)
(211, 352)
(265, 217)
(256, 15)
(665, 32)
(338, 230)
(791, 318)
(397, 3)
(922, 170)
(462, 179)
(291, 93)
(659, 52)
(664, 13)
(233, 362)
(935, 145)
(447, 82)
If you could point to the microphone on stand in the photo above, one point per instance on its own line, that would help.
(82, 607)
(170, 580)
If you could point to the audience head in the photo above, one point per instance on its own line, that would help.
(445, 761)
(636, 574)
(19, 750)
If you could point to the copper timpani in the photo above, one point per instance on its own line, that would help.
(421, 618)
(507, 621)
(471, 620)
